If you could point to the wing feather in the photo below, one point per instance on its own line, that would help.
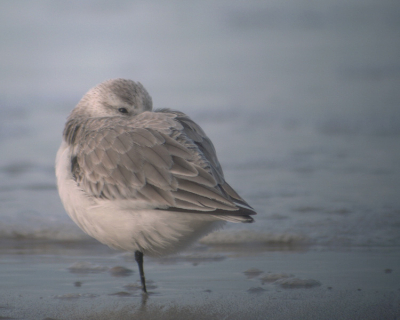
(157, 176)
(158, 156)
(122, 143)
(111, 159)
(132, 160)
(161, 157)
(198, 189)
(143, 137)
(181, 167)
(189, 206)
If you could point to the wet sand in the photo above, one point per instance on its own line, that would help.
(44, 280)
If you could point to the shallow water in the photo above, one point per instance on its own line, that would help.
(300, 99)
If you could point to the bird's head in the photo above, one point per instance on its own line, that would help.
(115, 97)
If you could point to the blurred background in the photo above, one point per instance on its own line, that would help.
(301, 99)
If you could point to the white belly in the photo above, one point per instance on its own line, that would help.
(121, 224)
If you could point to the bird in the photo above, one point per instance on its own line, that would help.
(141, 180)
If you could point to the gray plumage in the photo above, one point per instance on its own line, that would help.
(161, 157)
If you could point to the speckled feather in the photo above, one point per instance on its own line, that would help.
(162, 157)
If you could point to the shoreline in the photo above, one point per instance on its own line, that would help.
(205, 282)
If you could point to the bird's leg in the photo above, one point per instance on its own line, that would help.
(139, 260)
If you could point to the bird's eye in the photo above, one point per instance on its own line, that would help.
(123, 110)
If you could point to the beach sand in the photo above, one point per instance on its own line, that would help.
(43, 280)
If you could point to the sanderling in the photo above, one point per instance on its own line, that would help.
(138, 180)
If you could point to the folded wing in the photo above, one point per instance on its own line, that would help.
(163, 158)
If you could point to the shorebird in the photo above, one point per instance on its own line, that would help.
(143, 181)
